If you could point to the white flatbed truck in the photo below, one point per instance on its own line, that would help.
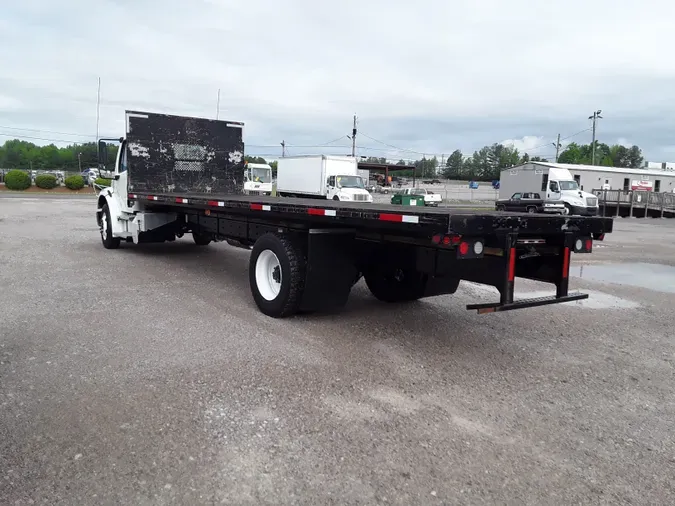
(175, 175)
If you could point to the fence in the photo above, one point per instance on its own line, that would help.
(636, 203)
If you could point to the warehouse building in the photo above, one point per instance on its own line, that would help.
(595, 177)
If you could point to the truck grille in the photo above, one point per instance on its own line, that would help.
(361, 197)
(591, 201)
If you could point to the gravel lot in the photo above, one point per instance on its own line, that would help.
(147, 376)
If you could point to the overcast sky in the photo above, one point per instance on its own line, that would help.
(430, 76)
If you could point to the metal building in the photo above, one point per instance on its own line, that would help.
(595, 177)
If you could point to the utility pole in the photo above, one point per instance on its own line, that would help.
(98, 106)
(557, 148)
(283, 149)
(218, 105)
(79, 161)
(596, 116)
(354, 137)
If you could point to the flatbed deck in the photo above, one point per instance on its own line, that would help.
(425, 219)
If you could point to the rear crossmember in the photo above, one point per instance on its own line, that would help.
(560, 279)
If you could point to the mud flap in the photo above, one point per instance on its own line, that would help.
(330, 269)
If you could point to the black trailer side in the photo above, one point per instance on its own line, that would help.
(325, 246)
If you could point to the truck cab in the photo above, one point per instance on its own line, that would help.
(564, 188)
(347, 188)
(257, 179)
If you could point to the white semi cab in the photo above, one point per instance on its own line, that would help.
(430, 198)
(257, 179)
(555, 183)
(321, 176)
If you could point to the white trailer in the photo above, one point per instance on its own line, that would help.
(321, 176)
(554, 183)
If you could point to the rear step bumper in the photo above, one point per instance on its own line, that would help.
(524, 303)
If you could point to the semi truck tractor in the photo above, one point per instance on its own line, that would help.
(323, 177)
(178, 176)
(553, 183)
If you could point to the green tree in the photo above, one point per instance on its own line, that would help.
(454, 165)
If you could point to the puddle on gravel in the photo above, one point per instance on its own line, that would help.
(658, 277)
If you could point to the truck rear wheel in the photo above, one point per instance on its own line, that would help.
(105, 225)
(396, 285)
(277, 275)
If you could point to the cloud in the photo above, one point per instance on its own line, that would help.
(426, 76)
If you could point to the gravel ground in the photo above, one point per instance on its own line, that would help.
(147, 376)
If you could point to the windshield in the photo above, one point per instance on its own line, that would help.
(350, 182)
(419, 191)
(569, 185)
(261, 175)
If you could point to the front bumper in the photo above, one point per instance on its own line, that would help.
(584, 211)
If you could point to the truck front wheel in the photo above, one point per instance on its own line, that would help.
(277, 275)
(105, 225)
(396, 285)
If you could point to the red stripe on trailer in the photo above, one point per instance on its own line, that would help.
(566, 263)
(391, 217)
(399, 218)
(256, 207)
(132, 195)
(512, 264)
(321, 212)
(151, 197)
(180, 200)
(215, 203)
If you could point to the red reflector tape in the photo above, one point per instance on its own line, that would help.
(566, 263)
(132, 195)
(512, 264)
(151, 197)
(321, 212)
(215, 203)
(400, 218)
(260, 207)
(180, 200)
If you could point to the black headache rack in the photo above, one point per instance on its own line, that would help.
(531, 246)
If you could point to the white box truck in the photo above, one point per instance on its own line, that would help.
(553, 183)
(321, 176)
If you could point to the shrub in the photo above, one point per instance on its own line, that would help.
(75, 182)
(17, 180)
(102, 181)
(45, 181)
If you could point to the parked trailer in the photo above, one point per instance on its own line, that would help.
(306, 254)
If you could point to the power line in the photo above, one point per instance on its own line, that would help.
(45, 131)
(14, 136)
(391, 145)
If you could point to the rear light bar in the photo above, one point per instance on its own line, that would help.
(466, 247)
(583, 245)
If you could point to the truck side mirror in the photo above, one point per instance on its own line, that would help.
(102, 153)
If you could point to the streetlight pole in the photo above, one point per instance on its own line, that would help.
(596, 116)
(79, 161)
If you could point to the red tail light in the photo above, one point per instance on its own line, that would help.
(463, 248)
(436, 239)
